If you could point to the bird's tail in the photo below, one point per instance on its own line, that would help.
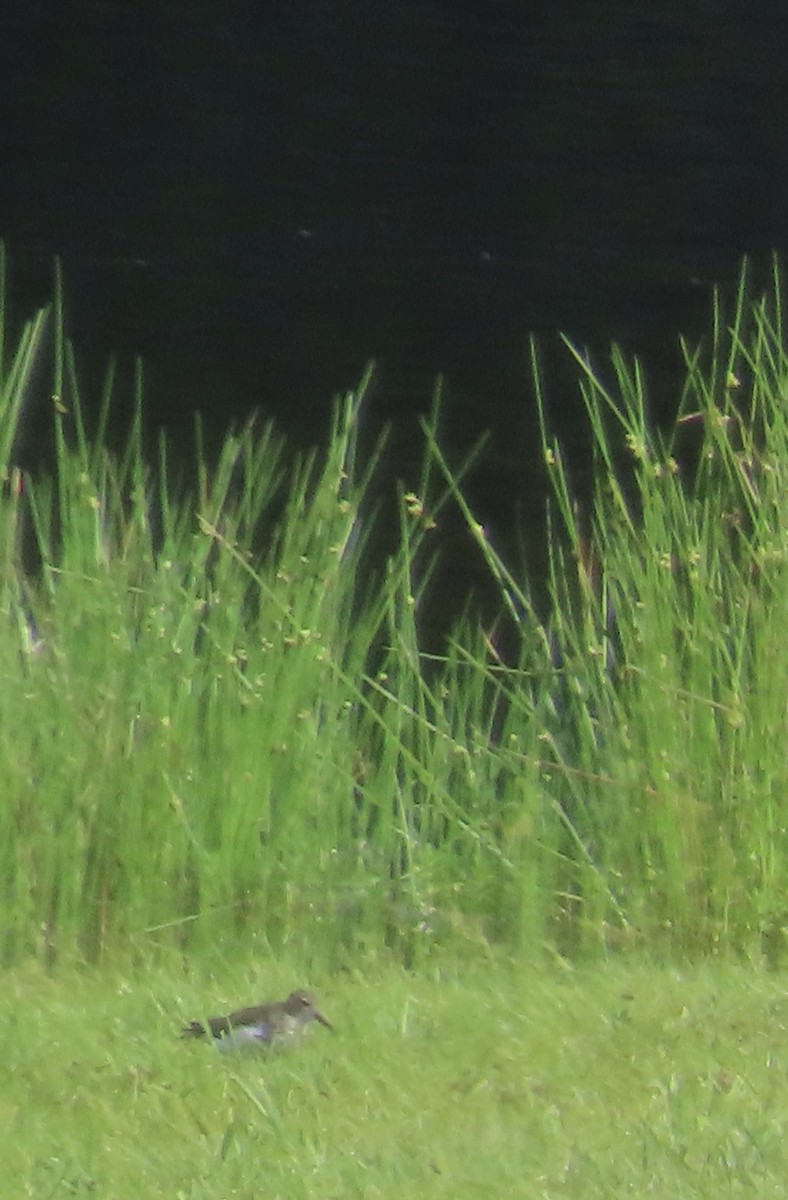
(194, 1029)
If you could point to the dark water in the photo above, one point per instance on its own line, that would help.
(260, 198)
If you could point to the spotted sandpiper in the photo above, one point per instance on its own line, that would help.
(261, 1024)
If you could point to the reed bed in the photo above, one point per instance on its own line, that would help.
(217, 725)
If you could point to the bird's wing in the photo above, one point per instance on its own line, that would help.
(256, 1014)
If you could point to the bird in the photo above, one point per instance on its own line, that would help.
(260, 1025)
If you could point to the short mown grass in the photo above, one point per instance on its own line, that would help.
(492, 1079)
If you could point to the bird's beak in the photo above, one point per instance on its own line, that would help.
(319, 1017)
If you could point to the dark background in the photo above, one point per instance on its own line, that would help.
(259, 198)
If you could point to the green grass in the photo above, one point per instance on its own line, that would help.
(488, 1080)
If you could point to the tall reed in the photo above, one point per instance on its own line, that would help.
(645, 712)
(217, 726)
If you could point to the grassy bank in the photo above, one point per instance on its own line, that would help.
(492, 1080)
(217, 728)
